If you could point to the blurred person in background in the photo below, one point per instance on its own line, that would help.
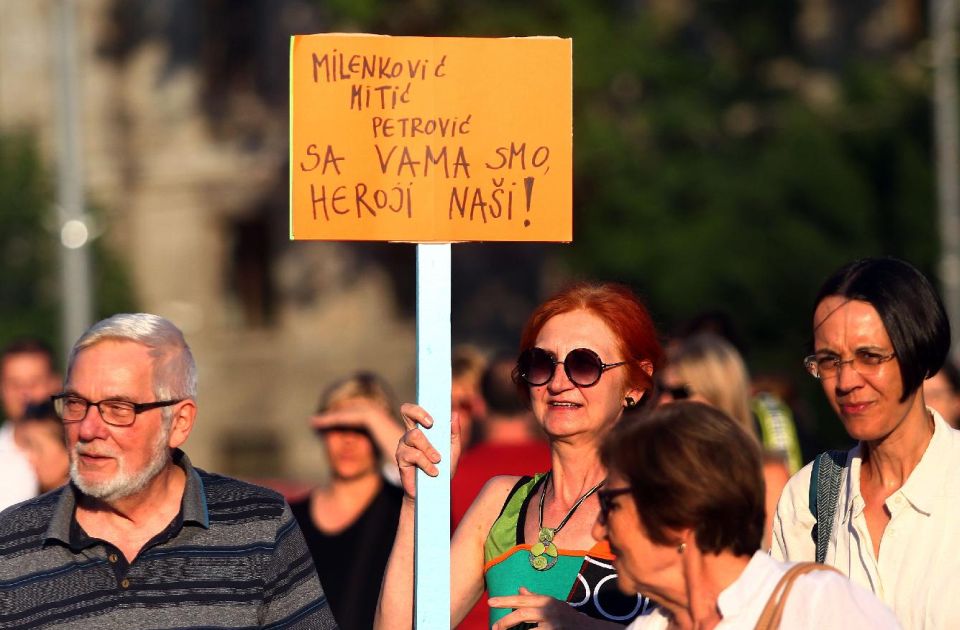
(708, 369)
(27, 375)
(941, 392)
(350, 522)
(886, 512)
(510, 443)
(683, 510)
(45, 442)
(468, 363)
(720, 374)
(773, 404)
(587, 354)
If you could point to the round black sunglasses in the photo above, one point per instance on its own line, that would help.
(582, 366)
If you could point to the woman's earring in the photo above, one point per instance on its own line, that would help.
(682, 547)
(630, 402)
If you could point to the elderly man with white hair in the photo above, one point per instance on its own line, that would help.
(140, 538)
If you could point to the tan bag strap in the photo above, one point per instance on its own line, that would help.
(773, 611)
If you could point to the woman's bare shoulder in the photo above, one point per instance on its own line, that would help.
(488, 504)
(496, 489)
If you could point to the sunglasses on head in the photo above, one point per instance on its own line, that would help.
(582, 366)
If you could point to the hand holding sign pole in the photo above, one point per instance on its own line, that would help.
(432, 141)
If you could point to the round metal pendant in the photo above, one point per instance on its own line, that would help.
(543, 554)
(542, 562)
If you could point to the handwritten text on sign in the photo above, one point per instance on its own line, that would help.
(430, 139)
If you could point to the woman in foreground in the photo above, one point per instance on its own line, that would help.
(587, 354)
(683, 510)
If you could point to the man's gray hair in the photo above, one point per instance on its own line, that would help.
(174, 370)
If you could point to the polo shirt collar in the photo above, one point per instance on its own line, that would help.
(193, 506)
(59, 527)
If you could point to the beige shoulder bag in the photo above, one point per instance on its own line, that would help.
(773, 611)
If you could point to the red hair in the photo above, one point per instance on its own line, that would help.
(621, 310)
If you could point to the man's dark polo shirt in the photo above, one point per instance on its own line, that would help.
(232, 558)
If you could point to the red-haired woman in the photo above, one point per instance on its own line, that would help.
(587, 354)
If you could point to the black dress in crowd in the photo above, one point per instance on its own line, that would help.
(351, 563)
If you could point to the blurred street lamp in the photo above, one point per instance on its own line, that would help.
(943, 18)
(74, 232)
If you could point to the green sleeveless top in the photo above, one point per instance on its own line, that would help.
(586, 579)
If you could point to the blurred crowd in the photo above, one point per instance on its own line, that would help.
(600, 455)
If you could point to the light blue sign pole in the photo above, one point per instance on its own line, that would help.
(431, 609)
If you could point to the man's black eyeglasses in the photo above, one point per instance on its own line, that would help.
(119, 413)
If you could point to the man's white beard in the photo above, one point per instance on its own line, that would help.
(124, 483)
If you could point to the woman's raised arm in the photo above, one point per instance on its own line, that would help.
(395, 606)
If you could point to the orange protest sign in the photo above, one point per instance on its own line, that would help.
(430, 139)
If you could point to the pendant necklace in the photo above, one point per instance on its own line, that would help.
(543, 554)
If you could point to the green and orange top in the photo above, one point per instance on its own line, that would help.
(586, 579)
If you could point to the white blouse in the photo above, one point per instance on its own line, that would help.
(820, 600)
(18, 481)
(919, 564)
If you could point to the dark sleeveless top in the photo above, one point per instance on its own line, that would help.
(351, 563)
(586, 579)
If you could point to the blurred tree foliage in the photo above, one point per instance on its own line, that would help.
(30, 298)
(720, 162)
(724, 159)
(28, 291)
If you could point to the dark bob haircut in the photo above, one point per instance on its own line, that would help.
(689, 465)
(909, 307)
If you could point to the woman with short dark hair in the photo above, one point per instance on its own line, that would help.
(887, 512)
(683, 511)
